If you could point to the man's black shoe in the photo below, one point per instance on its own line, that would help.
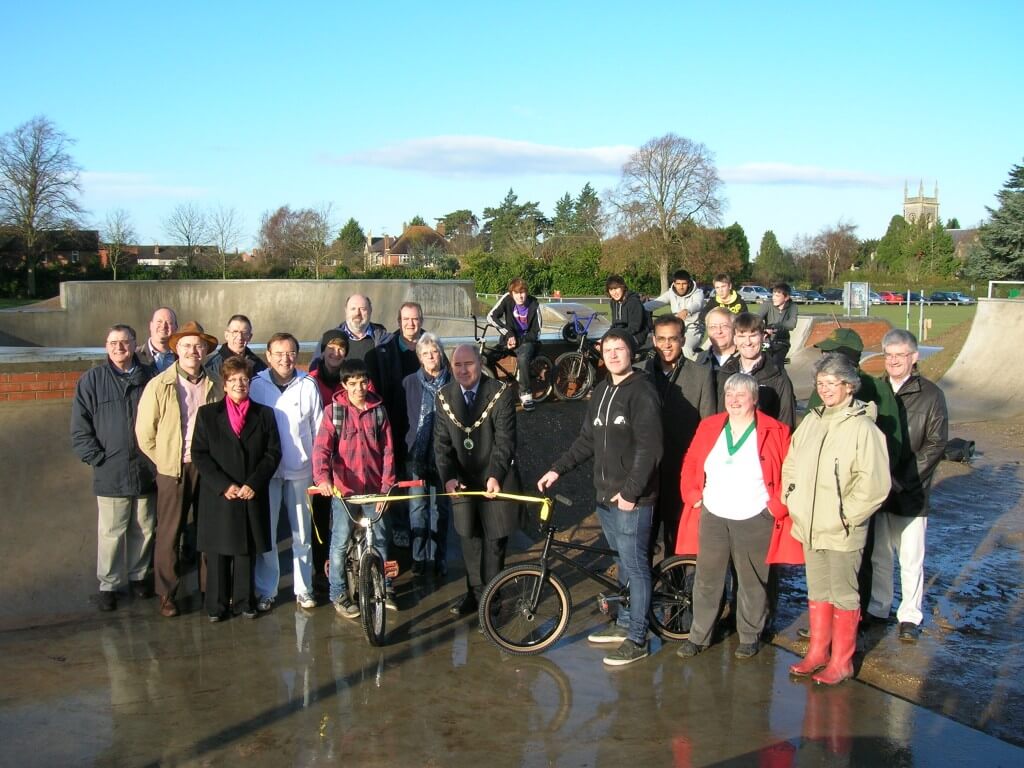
(464, 607)
(909, 632)
(107, 601)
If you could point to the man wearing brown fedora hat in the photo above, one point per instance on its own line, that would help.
(166, 420)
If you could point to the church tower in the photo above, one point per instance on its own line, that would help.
(921, 208)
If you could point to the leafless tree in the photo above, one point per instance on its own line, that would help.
(118, 233)
(313, 235)
(39, 187)
(668, 181)
(187, 226)
(838, 248)
(225, 226)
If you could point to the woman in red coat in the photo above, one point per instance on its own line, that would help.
(731, 489)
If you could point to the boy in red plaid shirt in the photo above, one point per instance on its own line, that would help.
(353, 453)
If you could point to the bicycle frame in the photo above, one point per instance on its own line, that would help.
(555, 548)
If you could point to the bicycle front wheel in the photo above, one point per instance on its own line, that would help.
(372, 611)
(574, 376)
(672, 597)
(541, 377)
(524, 612)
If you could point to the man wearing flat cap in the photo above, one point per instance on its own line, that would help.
(164, 428)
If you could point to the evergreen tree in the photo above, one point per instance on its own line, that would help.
(417, 221)
(587, 217)
(1002, 239)
(565, 215)
(737, 239)
(889, 256)
(772, 262)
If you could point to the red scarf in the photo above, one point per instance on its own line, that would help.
(236, 414)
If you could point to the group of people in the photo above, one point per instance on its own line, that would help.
(198, 450)
(701, 445)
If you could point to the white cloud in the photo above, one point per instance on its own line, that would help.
(115, 185)
(803, 175)
(486, 156)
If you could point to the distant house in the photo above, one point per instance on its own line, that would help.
(57, 246)
(163, 256)
(416, 240)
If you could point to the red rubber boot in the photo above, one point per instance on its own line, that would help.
(821, 638)
(844, 643)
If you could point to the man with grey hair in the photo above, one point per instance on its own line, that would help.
(102, 435)
(475, 448)
(903, 520)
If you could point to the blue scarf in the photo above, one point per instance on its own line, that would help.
(422, 447)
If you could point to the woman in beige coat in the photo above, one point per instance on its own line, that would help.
(835, 477)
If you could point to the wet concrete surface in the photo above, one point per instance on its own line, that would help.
(299, 687)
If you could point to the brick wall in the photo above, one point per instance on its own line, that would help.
(38, 385)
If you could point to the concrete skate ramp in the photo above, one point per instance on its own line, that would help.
(985, 382)
(47, 518)
(810, 329)
(305, 308)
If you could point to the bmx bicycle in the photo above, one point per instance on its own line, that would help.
(501, 363)
(576, 370)
(526, 608)
(366, 571)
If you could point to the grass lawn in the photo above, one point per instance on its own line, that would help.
(943, 317)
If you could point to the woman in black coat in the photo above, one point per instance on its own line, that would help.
(236, 448)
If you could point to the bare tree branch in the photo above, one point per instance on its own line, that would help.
(118, 232)
(187, 226)
(225, 228)
(39, 186)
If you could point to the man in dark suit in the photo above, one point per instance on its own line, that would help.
(474, 444)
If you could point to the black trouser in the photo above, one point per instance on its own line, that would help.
(484, 559)
(229, 577)
(320, 509)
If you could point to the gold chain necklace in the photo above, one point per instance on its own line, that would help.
(468, 443)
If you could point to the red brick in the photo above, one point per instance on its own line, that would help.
(24, 376)
(4, 378)
(68, 386)
(9, 387)
(22, 396)
(49, 396)
(50, 376)
(36, 386)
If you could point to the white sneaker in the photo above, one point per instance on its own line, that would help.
(265, 604)
(305, 600)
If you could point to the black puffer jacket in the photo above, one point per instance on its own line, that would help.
(103, 430)
(925, 421)
(631, 315)
(774, 389)
(622, 433)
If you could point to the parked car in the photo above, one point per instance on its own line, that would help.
(875, 298)
(797, 297)
(949, 297)
(755, 293)
(813, 297)
(915, 297)
(889, 297)
(834, 295)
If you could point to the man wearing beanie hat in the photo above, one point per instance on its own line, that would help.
(622, 434)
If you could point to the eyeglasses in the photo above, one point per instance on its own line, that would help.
(897, 355)
(284, 355)
(829, 384)
(246, 334)
(719, 326)
(119, 344)
(239, 381)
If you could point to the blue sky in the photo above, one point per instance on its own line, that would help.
(814, 113)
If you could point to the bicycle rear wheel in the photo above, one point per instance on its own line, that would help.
(513, 621)
(672, 597)
(372, 611)
(541, 378)
(574, 376)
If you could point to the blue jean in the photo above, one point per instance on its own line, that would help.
(429, 528)
(629, 534)
(341, 530)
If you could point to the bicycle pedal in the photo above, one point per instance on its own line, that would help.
(390, 569)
